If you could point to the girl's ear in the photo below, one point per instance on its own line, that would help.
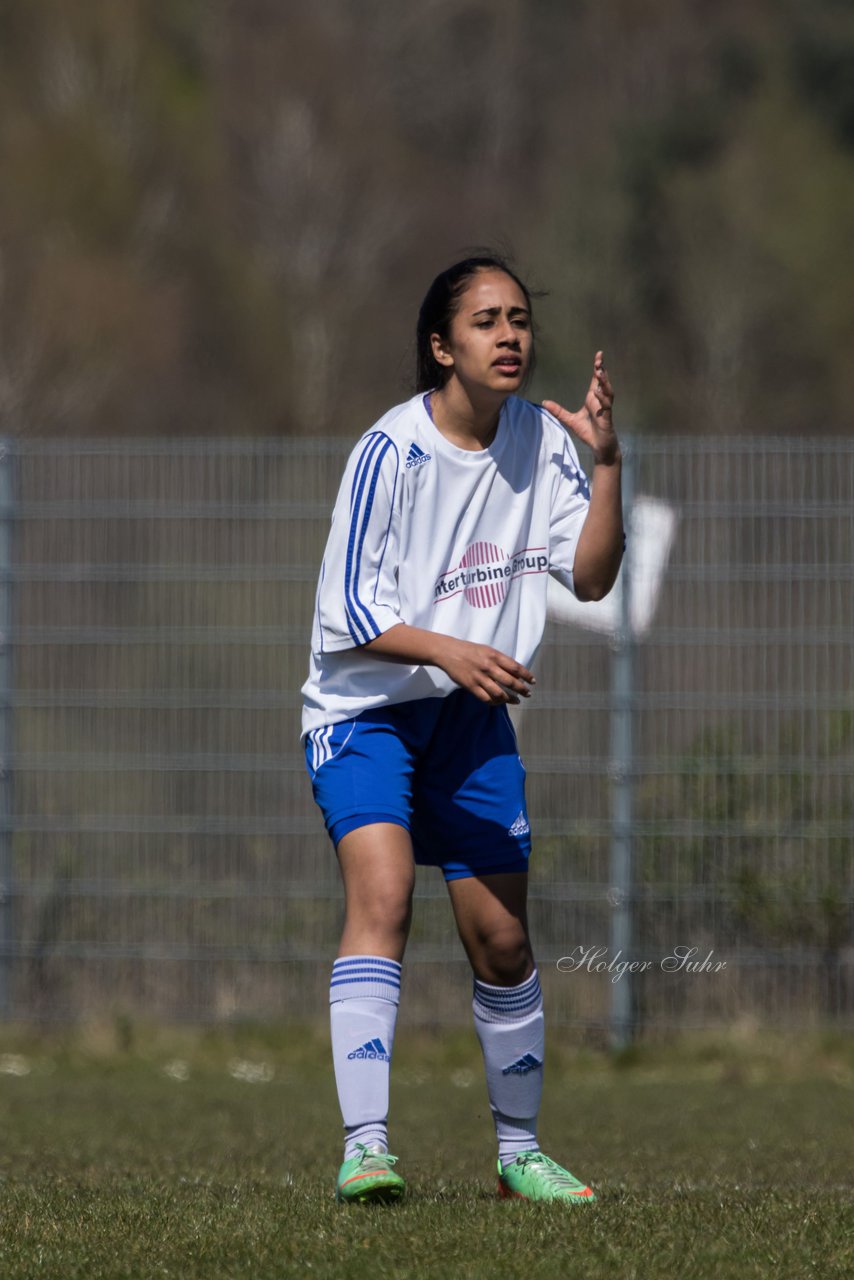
(441, 354)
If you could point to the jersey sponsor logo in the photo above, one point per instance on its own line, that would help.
(372, 1051)
(520, 826)
(416, 457)
(485, 572)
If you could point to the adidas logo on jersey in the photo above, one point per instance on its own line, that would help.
(372, 1050)
(520, 826)
(416, 457)
(522, 1066)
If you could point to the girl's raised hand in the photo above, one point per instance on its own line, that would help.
(592, 423)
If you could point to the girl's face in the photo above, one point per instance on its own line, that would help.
(490, 342)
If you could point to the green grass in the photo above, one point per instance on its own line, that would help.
(710, 1159)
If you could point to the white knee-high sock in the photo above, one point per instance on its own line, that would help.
(363, 997)
(509, 1025)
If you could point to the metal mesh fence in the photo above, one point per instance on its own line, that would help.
(161, 855)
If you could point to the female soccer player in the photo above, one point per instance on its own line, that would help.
(430, 609)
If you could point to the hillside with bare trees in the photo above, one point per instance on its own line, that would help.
(219, 218)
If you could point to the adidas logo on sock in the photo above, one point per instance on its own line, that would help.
(520, 826)
(372, 1050)
(416, 457)
(522, 1065)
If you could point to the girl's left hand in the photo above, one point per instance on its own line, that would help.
(592, 423)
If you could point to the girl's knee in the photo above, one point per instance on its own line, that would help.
(384, 911)
(507, 958)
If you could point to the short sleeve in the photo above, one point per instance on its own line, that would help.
(357, 596)
(570, 503)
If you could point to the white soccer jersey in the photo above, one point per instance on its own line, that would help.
(451, 540)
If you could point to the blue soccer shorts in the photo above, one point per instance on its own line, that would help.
(447, 769)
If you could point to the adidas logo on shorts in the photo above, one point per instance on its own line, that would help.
(520, 826)
(416, 457)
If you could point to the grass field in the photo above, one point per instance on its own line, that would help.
(190, 1155)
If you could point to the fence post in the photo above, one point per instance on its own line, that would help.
(7, 586)
(622, 779)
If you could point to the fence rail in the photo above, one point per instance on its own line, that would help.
(160, 855)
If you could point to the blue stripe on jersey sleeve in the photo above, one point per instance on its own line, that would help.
(368, 507)
(388, 525)
(361, 505)
(354, 623)
(317, 603)
(371, 441)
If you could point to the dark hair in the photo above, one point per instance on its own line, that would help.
(439, 308)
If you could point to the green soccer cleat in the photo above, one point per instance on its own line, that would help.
(368, 1178)
(533, 1176)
